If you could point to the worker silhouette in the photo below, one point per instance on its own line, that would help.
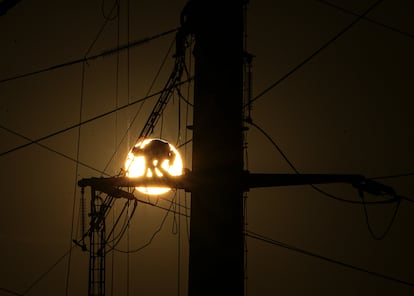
(155, 153)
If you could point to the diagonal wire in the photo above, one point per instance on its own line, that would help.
(169, 210)
(53, 150)
(314, 54)
(88, 120)
(347, 11)
(75, 190)
(11, 292)
(140, 107)
(388, 228)
(93, 57)
(271, 241)
(44, 274)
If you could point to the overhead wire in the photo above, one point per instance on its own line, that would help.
(101, 29)
(128, 274)
(350, 12)
(315, 53)
(142, 104)
(116, 237)
(125, 228)
(118, 18)
(86, 121)
(109, 17)
(149, 242)
(75, 190)
(46, 272)
(90, 58)
(116, 5)
(313, 186)
(389, 225)
(395, 198)
(11, 292)
(271, 241)
(53, 150)
(178, 223)
(169, 209)
(180, 95)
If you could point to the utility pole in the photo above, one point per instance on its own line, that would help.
(217, 180)
(216, 261)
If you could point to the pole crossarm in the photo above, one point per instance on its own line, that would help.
(112, 185)
(188, 181)
(358, 181)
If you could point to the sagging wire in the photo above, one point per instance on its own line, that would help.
(124, 228)
(153, 235)
(392, 200)
(388, 227)
(395, 198)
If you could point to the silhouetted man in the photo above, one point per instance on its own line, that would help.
(155, 153)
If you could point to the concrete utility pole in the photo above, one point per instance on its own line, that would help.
(216, 239)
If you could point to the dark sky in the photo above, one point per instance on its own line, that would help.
(348, 110)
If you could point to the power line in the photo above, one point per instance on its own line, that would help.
(268, 240)
(141, 106)
(6, 5)
(11, 292)
(155, 232)
(75, 189)
(108, 16)
(388, 228)
(347, 11)
(86, 59)
(53, 150)
(314, 54)
(100, 31)
(363, 202)
(87, 121)
(313, 186)
(103, 172)
(44, 274)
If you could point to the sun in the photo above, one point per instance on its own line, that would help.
(153, 157)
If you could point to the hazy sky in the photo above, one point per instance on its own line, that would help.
(348, 110)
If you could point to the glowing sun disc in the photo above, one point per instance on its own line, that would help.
(136, 165)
